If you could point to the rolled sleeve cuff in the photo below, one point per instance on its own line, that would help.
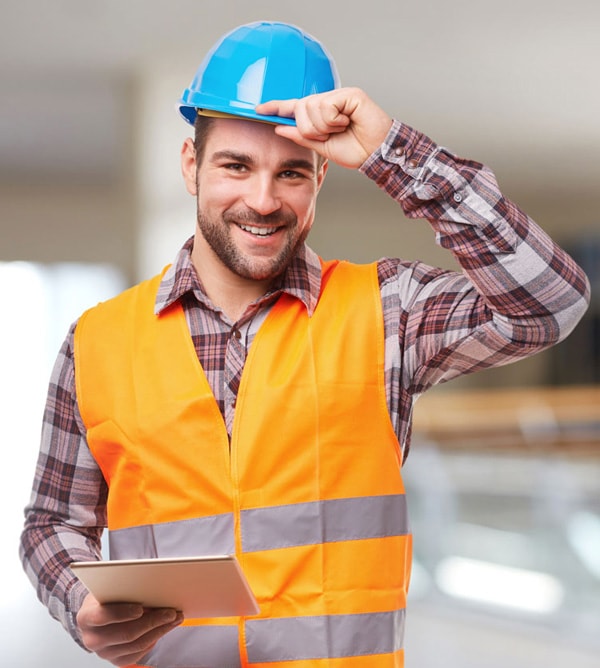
(76, 597)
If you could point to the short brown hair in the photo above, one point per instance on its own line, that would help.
(202, 126)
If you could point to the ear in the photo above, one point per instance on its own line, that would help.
(321, 174)
(188, 165)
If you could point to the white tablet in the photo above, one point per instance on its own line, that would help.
(212, 586)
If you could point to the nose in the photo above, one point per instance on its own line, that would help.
(262, 195)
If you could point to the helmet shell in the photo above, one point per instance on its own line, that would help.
(256, 63)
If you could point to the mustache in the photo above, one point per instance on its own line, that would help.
(251, 217)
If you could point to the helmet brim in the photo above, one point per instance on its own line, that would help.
(189, 115)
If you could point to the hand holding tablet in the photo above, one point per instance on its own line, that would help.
(212, 586)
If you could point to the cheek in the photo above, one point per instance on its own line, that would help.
(305, 211)
(213, 196)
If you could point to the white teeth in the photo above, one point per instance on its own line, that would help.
(259, 231)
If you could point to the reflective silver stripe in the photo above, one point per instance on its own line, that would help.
(196, 647)
(324, 522)
(267, 528)
(203, 535)
(332, 636)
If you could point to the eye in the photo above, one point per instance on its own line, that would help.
(291, 174)
(237, 167)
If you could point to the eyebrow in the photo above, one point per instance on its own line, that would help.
(299, 163)
(232, 155)
(245, 158)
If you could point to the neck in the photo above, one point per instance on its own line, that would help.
(226, 290)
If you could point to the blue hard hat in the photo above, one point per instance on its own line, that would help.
(256, 63)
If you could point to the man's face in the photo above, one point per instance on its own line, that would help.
(256, 195)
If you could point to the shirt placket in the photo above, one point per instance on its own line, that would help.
(235, 357)
(238, 343)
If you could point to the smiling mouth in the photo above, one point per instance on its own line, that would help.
(258, 231)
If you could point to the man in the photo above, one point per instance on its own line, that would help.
(284, 444)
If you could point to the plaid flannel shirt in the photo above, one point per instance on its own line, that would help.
(517, 294)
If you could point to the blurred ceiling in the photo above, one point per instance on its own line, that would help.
(513, 84)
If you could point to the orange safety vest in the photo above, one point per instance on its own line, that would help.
(308, 494)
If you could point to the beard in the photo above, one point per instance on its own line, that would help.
(217, 233)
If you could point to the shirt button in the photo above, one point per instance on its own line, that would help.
(413, 164)
(457, 197)
(236, 332)
(399, 151)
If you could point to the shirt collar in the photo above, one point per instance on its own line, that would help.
(302, 280)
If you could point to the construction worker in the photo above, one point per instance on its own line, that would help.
(254, 399)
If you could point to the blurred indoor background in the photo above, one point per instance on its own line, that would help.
(504, 472)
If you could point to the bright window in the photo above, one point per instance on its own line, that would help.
(39, 304)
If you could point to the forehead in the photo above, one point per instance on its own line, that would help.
(255, 139)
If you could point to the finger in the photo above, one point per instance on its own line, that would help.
(309, 124)
(121, 633)
(127, 653)
(281, 108)
(317, 116)
(103, 615)
(327, 114)
(293, 134)
(93, 614)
